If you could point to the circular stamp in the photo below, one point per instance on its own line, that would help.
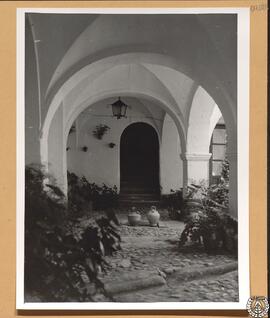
(257, 306)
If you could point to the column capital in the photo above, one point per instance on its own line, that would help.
(195, 156)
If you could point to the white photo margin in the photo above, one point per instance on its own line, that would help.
(243, 47)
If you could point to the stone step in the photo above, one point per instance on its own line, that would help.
(136, 191)
(142, 192)
(134, 281)
(130, 203)
(143, 196)
(138, 186)
(135, 178)
(142, 187)
(138, 201)
(138, 182)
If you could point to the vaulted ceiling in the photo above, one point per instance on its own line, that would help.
(82, 58)
(204, 45)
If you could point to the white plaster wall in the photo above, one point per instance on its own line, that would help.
(101, 164)
(171, 165)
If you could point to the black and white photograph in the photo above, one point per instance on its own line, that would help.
(133, 158)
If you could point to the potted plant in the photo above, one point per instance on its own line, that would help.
(100, 130)
(112, 144)
(208, 221)
(153, 216)
(134, 216)
(84, 148)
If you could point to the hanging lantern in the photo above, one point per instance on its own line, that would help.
(119, 108)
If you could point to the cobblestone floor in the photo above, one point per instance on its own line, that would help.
(146, 248)
(222, 288)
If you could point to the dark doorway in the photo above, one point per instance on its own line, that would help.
(139, 158)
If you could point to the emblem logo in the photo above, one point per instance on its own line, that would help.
(257, 306)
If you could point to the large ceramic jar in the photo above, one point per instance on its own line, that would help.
(134, 217)
(153, 216)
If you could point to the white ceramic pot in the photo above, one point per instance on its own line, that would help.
(153, 216)
(134, 218)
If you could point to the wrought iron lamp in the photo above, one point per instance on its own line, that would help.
(119, 109)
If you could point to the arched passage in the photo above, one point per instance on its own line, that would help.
(203, 117)
(139, 158)
(128, 80)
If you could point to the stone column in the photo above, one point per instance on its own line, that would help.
(233, 184)
(57, 151)
(196, 167)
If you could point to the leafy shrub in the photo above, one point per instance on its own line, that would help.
(81, 192)
(105, 196)
(109, 236)
(212, 230)
(225, 173)
(174, 203)
(62, 264)
(208, 222)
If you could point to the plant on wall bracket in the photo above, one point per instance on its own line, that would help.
(100, 130)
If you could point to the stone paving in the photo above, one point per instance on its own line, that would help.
(148, 249)
(221, 288)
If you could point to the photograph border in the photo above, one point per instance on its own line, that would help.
(243, 163)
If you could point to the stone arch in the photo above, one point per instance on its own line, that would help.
(203, 117)
(99, 113)
(130, 101)
(199, 124)
(95, 70)
(160, 103)
(166, 100)
(171, 165)
(59, 154)
(214, 71)
(69, 78)
(70, 86)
